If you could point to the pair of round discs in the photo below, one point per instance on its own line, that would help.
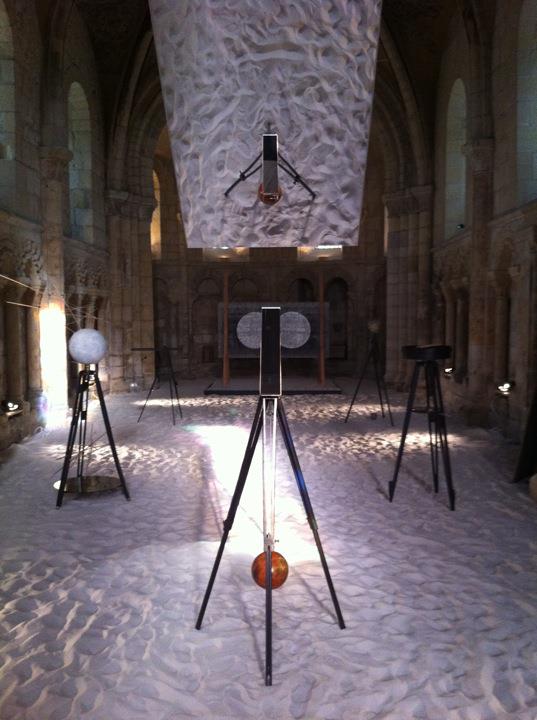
(295, 330)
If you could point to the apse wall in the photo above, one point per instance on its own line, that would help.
(229, 68)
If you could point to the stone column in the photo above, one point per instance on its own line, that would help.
(423, 196)
(412, 278)
(35, 389)
(131, 296)
(54, 163)
(449, 303)
(501, 328)
(397, 205)
(481, 155)
(438, 317)
(461, 335)
(14, 346)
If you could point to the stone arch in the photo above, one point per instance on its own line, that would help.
(80, 166)
(117, 159)
(301, 289)
(244, 290)
(455, 169)
(7, 111)
(205, 318)
(415, 127)
(208, 286)
(527, 103)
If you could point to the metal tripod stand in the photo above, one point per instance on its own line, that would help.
(269, 408)
(427, 357)
(373, 355)
(86, 379)
(284, 164)
(163, 366)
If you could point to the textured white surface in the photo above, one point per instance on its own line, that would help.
(87, 346)
(229, 67)
(295, 329)
(249, 330)
(98, 600)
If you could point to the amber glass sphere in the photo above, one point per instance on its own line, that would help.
(269, 198)
(280, 569)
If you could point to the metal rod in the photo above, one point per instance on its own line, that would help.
(244, 174)
(268, 615)
(290, 170)
(406, 423)
(109, 433)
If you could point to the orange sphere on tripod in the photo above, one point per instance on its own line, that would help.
(280, 569)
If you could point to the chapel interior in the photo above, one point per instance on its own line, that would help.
(92, 232)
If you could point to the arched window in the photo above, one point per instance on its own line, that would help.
(156, 228)
(527, 103)
(7, 112)
(301, 290)
(244, 290)
(455, 197)
(80, 167)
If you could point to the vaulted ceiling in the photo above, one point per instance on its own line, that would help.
(418, 27)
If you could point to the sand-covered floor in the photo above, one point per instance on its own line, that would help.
(99, 599)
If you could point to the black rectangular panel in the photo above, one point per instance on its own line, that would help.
(270, 164)
(270, 147)
(270, 371)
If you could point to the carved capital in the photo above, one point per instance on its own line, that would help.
(116, 201)
(125, 204)
(398, 203)
(54, 162)
(480, 154)
(423, 197)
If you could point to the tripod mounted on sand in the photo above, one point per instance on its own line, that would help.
(269, 414)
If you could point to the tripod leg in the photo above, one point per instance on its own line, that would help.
(228, 522)
(177, 397)
(71, 439)
(385, 390)
(82, 431)
(362, 374)
(377, 378)
(406, 423)
(171, 399)
(147, 398)
(432, 420)
(268, 615)
(110, 436)
(291, 452)
(442, 431)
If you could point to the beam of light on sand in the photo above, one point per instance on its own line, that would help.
(227, 445)
(165, 402)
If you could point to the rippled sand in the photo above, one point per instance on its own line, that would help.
(99, 598)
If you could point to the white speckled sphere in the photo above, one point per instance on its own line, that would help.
(87, 346)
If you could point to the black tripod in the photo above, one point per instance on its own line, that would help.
(163, 366)
(373, 356)
(427, 357)
(284, 164)
(228, 524)
(86, 378)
